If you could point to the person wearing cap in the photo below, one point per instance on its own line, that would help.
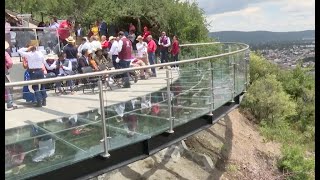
(99, 58)
(142, 48)
(71, 52)
(125, 51)
(113, 53)
(36, 61)
(8, 91)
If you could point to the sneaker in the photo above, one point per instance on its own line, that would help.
(44, 102)
(10, 108)
(143, 77)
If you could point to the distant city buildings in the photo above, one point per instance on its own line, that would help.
(288, 56)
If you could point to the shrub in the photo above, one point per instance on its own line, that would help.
(293, 160)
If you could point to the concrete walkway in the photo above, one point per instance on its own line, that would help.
(66, 105)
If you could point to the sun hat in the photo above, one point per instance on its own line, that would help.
(70, 39)
(139, 37)
(111, 38)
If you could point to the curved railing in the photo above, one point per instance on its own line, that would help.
(72, 128)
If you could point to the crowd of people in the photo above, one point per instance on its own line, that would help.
(98, 50)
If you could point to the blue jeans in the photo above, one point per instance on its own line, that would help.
(125, 76)
(40, 94)
(115, 64)
(164, 55)
(152, 57)
(69, 83)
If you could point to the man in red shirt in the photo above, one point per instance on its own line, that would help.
(64, 30)
(152, 47)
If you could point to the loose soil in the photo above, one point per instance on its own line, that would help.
(234, 144)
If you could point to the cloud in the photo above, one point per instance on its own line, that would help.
(271, 15)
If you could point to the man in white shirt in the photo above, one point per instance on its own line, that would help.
(35, 62)
(113, 53)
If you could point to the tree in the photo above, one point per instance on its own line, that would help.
(185, 19)
(268, 101)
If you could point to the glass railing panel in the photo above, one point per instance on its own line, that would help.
(137, 116)
(39, 151)
(48, 41)
(188, 52)
(69, 124)
(240, 73)
(222, 80)
(191, 92)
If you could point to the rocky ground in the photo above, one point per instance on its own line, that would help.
(230, 149)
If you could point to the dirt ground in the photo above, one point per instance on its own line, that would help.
(234, 145)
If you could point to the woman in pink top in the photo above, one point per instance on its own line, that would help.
(8, 91)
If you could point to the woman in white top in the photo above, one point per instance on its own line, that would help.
(142, 50)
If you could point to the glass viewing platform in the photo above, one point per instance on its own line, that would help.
(100, 121)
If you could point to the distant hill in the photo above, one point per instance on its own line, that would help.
(258, 37)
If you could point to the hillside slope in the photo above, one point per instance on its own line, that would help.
(234, 146)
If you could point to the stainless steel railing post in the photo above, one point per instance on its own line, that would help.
(234, 74)
(103, 120)
(168, 78)
(212, 89)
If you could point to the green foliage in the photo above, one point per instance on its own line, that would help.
(260, 67)
(287, 96)
(185, 19)
(294, 160)
(267, 100)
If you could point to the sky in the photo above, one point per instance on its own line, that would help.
(253, 15)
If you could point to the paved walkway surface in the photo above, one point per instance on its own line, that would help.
(66, 105)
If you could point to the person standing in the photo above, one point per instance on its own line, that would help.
(95, 29)
(36, 61)
(146, 33)
(54, 23)
(64, 31)
(152, 47)
(142, 49)
(164, 42)
(7, 33)
(71, 52)
(132, 28)
(79, 34)
(125, 51)
(103, 29)
(113, 53)
(8, 91)
(175, 51)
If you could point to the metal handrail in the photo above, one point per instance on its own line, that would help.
(119, 71)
